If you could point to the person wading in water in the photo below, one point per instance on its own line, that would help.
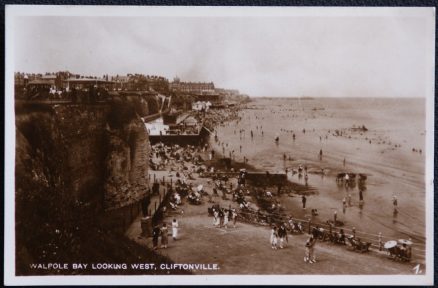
(303, 200)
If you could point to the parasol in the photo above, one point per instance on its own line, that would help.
(390, 244)
(200, 187)
(404, 241)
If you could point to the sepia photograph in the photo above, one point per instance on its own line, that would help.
(219, 145)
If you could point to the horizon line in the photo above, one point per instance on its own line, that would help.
(313, 97)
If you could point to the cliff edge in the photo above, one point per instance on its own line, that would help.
(81, 173)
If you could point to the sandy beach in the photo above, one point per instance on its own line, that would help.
(326, 136)
(384, 152)
(389, 161)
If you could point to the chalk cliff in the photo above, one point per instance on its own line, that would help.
(78, 167)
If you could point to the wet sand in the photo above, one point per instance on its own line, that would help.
(395, 126)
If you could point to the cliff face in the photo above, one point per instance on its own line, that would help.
(82, 129)
(75, 164)
(126, 165)
(92, 160)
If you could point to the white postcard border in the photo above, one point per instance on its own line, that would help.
(14, 11)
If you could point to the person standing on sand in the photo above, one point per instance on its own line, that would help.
(335, 216)
(164, 236)
(226, 219)
(174, 229)
(230, 214)
(282, 233)
(310, 256)
(234, 217)
(215, 217)
(344, 205)
(221, 217)
(347, 180)
(274, 237)
(303, 200)
(155, 235)
(395, 203)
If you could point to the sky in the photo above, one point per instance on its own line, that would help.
(315, 56)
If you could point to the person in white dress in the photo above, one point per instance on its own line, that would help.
(310, 256)
(216, 218)
(177, 198)
(274, 237)
(226, 219)
(174, 229)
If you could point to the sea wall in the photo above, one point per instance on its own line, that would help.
(182, 139)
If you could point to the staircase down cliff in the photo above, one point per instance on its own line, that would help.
(81, 172)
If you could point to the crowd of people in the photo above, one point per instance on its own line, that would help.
(222, 216)
(215, 118)
(279, 240)
(184, 160)
(163, 232)
(189, 160)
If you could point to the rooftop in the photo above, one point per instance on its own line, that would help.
(49, 77)
(87, 80)
(41, 82)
